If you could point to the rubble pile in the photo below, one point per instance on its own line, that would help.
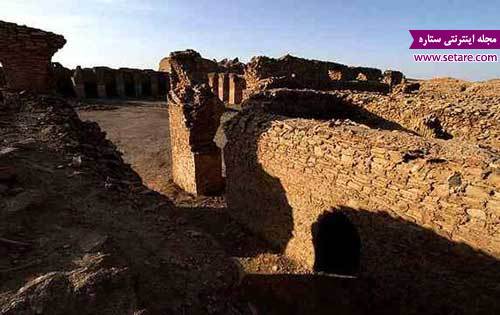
(421, 212)
(80, 234)
(451, 109)
(25, 54)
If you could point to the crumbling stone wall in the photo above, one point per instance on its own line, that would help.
(194, 115)
(292, 72)
(104, 82)
(469, 115)
(26, 54)
(283, 173)
(63, 79)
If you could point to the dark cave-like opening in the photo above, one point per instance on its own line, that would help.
(337, 245)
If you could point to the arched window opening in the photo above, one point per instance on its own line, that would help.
(337, 245)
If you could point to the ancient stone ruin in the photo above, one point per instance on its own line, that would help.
(26, 54)
(283, 173)
(104, 82)
(388, 185)
(293, 72)
(194, 115)
(225, 78)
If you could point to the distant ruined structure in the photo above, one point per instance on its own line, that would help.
(26, 54)
(104, 82)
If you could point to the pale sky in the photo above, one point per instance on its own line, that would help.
(126, 33)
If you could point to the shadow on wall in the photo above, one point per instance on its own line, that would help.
(404, 269)
(268, 213)
(318, 105)
(337, 245)
(401, 267)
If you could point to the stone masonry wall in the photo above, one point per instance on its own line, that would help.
(292, 72)
(449, 187)
(194, 115)
(26, 54)
(472, 115)
(104, 82)
(426, 210)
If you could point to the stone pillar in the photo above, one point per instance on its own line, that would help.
(236, 86)
(101, 82)
(79, 83)
(120, 84)
(138, 84)
(213, 81)
(224, 87)
(194, 117)
(155, 84)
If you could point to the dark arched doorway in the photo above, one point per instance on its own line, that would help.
(337, 245)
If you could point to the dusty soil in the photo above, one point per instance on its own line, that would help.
(80, 234)
(140, 131)
(273, 284)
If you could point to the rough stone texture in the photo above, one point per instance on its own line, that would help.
(26, 54)
(208, 65)
(426, 210)
(319, 165)
(104, 82)
(393, 78)
(236, 87)
(295, 72)
(366, 73)
(231, 66)
(100, 242)
(64, 84)
(224, 87)
(292, 72)
(466, 111)
(213, 81)
(194, 115)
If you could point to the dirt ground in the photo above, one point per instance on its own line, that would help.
(273, 283)
(140, 131)
(80, 234)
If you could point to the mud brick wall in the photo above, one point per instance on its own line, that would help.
(64, 83)
(223, 85)
(366, 73)
(26, 54)
(213, 82)
(104, 82)
(292, 72)
(282, 174)
(183, 164)
(236, 87)
(296, 72)
(467, 115)
(194, 113)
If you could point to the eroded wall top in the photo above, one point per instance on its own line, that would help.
(26, 54)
